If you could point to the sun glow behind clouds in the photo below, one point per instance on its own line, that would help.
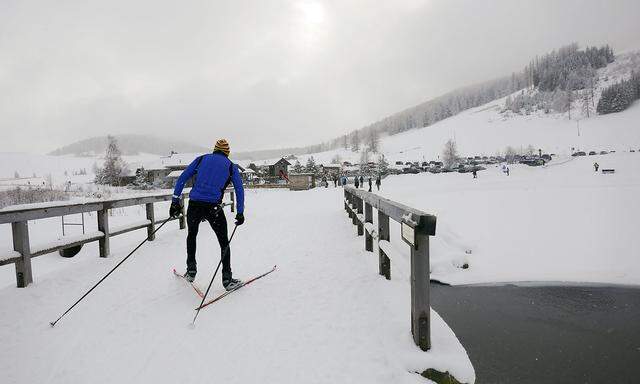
(310, 22)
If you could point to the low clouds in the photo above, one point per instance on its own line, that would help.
(263, 74)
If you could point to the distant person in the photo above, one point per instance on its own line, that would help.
(596, 166)
(507, 171)
(475, 173)
(369, 184)
(362, 181)
(378, 182)
(325, 182)
(355, 182)
(335, 181)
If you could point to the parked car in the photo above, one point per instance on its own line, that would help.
(579, 153)
(591, 153)
(603, 152)
(633, 150)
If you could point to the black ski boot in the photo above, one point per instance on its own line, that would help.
(190, 275)
(230, 283)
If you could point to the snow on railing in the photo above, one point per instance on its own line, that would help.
(416, 227)
(19, 217)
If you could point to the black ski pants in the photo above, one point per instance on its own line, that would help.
(199, 211)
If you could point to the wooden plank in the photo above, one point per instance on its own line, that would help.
(9, 215)
(420, 311)
(384, 264)
(368, 218)
(152, 224)
(103, 226)
(128, 228)
(56, 246)
(10, 258)
(20, 232)
(398, 212)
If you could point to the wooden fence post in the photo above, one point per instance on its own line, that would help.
(354, 216)
(152, 226)
(420, 310)
(182, 220)
(20, 231)
(359, 205)
(232, 195)
(103, 226)
(368, 218)
(383, 234)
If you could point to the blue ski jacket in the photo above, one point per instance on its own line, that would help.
(213, 172)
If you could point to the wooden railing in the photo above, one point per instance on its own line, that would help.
(20, 217)
(416, 227)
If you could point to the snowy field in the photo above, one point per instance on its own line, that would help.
(325, 316)
(559, 223)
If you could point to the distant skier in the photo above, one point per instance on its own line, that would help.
(596, 166)
(369, 184)
(355, 182)
(214, 173)
(378, 182)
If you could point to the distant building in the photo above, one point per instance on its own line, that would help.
(280, 168)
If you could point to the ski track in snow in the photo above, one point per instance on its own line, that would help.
(324, 316)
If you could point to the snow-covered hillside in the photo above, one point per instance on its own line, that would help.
(485, 130)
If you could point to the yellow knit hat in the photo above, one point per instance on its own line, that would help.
(223, 146)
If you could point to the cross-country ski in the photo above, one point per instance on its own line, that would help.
(228, 292)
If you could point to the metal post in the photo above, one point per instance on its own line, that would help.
(384, 264)
(151, 228)
(182, 220)
(353, 202)
(420, 311)
(368, 218)
(103, 226)
(359, 205)
(20, 232)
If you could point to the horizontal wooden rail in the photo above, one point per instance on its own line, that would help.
(416, 227)
(19, 217)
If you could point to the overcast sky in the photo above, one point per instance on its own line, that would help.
(263, 73)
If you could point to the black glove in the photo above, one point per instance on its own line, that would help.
(239, 219)
(175, 209)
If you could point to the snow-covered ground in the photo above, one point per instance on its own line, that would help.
(562, 222)
(324, 316)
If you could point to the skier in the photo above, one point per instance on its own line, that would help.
(369, 184)
(378, 182)
(214, 173)
(355, 182)
(596, 166)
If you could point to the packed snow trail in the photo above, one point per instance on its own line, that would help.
(324, 316)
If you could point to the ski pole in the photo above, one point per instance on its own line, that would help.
(53, 323)
(214, 276)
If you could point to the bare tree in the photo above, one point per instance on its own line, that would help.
(450, 153)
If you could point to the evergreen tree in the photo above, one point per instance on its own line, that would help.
(374, 141)
(141, 177)
(383, 165)
(297, 167)
(311, 165)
